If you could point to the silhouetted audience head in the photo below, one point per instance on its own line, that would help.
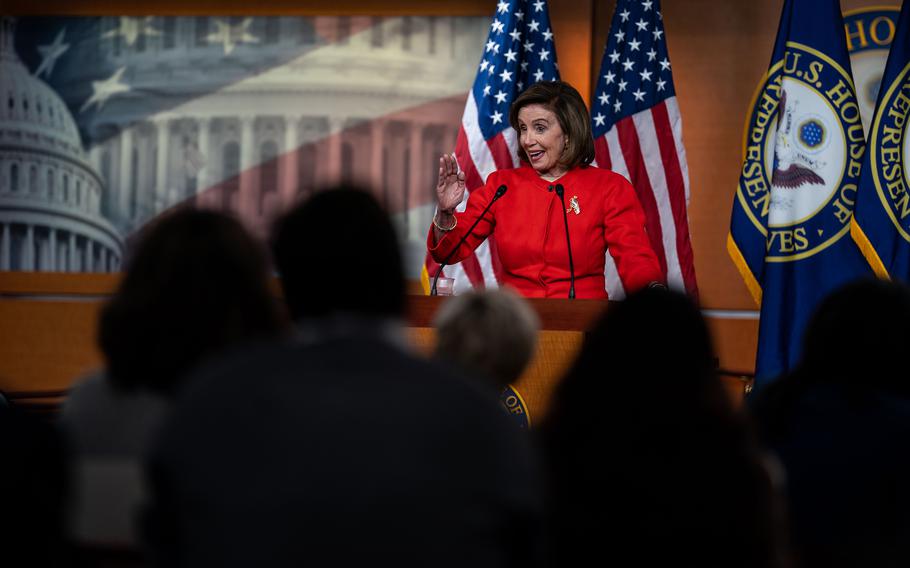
(859, 335)
(196, 284)
(839, 423)
(491, 333)
(34, 491)
(337, 253)
(855, 341)
(646, 457)
(661, 339)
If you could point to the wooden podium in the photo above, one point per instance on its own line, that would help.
(48, 327)
(562, 332)
(563, 324)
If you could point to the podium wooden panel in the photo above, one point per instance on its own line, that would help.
(48, 328)
(563, 323)
(563, 326)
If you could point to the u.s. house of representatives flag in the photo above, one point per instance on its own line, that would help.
(519, 51)
(881, 222)
(804, 146)
(638, 133)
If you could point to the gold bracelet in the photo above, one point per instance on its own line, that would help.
(444, 229)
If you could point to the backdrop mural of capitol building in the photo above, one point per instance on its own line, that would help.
(107, 122)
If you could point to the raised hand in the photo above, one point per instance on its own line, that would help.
(450, 186)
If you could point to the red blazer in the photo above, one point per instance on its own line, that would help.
(530, 237)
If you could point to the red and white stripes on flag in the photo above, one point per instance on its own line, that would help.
(647, 149)
(638, 133)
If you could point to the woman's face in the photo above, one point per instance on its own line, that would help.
(542, 139)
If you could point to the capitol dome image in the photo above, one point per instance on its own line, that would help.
(254, 119)
(119, 124)
(51, 197)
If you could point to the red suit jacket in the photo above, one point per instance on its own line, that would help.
(530, 236)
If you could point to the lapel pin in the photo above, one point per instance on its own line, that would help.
(573, 205)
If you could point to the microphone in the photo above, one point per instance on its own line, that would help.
(499, 193)
(565, 218)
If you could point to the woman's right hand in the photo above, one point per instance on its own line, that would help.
(450, 186)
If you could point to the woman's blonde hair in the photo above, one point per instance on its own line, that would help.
(493, 333)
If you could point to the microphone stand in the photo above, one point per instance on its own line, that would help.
(500, 191)
(565, 218)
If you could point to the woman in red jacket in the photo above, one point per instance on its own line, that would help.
(555, 147)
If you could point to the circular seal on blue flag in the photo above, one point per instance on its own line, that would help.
(803, 152)
(870, 32)
(512, 402)
(889, 147)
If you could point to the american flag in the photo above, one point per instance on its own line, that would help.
(638, 133)
(519, 52)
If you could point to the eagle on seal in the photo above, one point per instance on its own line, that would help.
(788, 173)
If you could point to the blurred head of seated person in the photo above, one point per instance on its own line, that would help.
(491, 333)
(340, 447)
(195, 285)
(840, 424)
(645, 453)
(35, 490)
(852, 350)
(875, 314)
(340, 264)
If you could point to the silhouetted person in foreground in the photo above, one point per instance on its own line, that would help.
(196, 284)
(840, 424)
(340, 448)
(648, 463)
(33, 491)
